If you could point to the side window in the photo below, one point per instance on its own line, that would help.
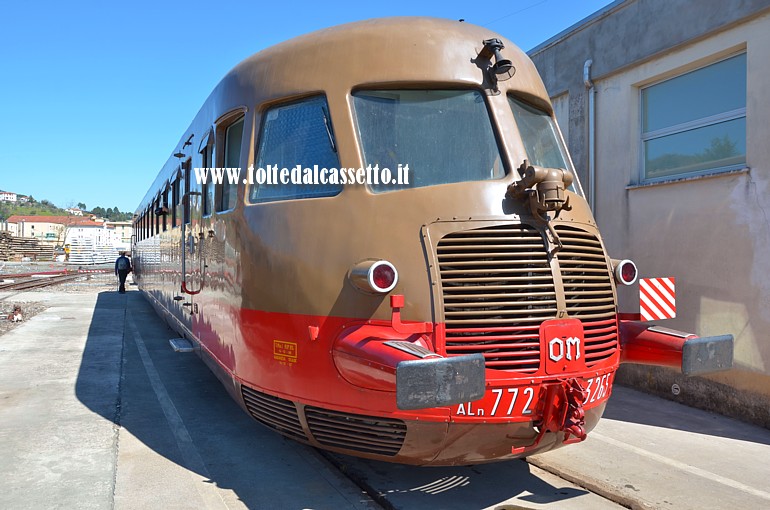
(165, 206)
(695, 123)
(157, 216)
(540, 136)
(174, 201)
(294, 134)
(232, 158)
(207, 161)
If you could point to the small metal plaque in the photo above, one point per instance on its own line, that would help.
(431, 382)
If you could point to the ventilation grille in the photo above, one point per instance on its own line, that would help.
(367, 434)
(276, 413)
(497, 288)
(588, 291)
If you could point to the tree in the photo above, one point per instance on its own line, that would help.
(82, 206)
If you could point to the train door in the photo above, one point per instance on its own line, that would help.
(192, 235)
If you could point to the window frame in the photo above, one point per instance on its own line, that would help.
(711, 120)
(207, 152)
(262, 112)
(223, 124)
(438, 87)
(164, 205)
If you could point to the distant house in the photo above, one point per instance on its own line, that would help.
(46, 228)
(123, 230)
(74, 211)
(22, 198)
(90, 241)
(8, 196)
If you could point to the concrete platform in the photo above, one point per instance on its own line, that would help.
(648, 452)
(97, 411)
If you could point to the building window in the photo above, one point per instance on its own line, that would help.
(298, 133)
(229, 191)
(695, 124)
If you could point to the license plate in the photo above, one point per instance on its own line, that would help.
(520, 403)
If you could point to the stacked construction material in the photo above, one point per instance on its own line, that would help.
(23, 248)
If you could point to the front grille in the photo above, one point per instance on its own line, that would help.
(276, 413)
(367, 434)
(497, 288)
(588, 291)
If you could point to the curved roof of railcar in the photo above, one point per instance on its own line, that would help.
(378, 51)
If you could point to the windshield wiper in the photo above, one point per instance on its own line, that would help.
(327, 124)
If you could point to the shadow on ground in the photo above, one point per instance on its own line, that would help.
(262, 468)
(632, 406)
(461, 487)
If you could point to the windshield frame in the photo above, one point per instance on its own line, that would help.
(501, 166)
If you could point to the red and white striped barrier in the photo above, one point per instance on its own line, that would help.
(657, 298)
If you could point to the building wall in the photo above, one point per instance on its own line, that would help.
(711, 233)
(37, 229)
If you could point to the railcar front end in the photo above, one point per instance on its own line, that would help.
(466, 316)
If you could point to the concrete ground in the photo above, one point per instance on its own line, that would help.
(648, 452)
(97, 411)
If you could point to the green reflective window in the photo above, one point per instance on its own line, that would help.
(695, 123)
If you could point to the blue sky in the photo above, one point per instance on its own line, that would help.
(95, 95)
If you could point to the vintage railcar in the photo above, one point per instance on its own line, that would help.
(467, 316)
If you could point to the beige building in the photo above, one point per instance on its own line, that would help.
(124, 231)
(665, 106)
(52, 229)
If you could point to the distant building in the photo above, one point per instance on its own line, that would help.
(123, 230)
(74, 211)
(7, 196)
(664, 106)
(47, 228)
(90, 241)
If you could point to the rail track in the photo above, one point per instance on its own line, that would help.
(27, 282)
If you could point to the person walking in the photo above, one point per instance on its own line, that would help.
(122, 268)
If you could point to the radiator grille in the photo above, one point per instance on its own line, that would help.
(588, 291)
(367, 434)
(497, 288)
(276, 413)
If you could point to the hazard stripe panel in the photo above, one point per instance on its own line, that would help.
(657, 298)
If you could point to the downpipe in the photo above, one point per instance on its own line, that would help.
(591, 134)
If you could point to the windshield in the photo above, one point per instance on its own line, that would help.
(540, 136)
(444, 136)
